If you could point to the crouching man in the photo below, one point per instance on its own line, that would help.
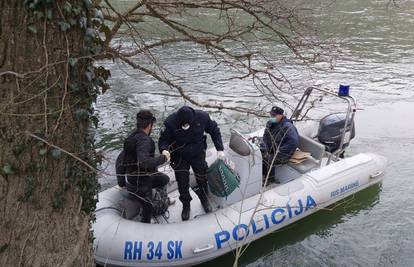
(141, 164)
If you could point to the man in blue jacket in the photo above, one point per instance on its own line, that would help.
(140, 164)
(280, 141)
(183, 137)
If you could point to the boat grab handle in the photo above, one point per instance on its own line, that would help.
(203, 249)
(375, 175)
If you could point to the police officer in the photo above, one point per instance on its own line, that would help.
(280, 141)
(141, 164)
(184, 137)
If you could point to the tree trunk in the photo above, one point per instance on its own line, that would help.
(46, 195)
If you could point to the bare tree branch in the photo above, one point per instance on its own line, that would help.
(182, 92)
(244, 27)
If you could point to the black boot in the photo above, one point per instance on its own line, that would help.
(146, 215)
(185, 214)
(202, 193)
(206, 205)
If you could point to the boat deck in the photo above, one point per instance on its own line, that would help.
(284, 173)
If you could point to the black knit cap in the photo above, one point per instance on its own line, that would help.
(185, 115)
(276, 111)
(144, 118)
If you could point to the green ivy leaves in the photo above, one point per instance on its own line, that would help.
(7, 169)
(64, 26)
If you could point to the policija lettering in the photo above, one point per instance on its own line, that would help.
(278, 216)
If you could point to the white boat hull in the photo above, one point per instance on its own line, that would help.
(122, 242)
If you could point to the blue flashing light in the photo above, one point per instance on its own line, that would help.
(343, 90)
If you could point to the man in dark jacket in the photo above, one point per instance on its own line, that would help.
(141, 164)
(280, 141)
(184, 137)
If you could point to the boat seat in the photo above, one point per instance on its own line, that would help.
(307, 144)
(317, 151)
(239, 144)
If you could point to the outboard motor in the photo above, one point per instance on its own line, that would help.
(329, 132)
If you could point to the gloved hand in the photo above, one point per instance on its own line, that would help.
(221, 155)
(167, 154)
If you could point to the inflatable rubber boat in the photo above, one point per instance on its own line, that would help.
(249, 212)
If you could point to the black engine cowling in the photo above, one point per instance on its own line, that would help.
(329, 132)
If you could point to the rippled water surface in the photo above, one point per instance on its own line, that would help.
(376, 226)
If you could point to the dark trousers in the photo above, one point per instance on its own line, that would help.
(270, 162)
(182, 175)
(144, 187)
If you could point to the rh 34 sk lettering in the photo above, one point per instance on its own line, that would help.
(134, 250)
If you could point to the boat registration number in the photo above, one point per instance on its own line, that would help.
(138, 250)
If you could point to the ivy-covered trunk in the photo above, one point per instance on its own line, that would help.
(47, 85)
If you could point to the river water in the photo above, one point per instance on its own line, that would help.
(376, 226)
